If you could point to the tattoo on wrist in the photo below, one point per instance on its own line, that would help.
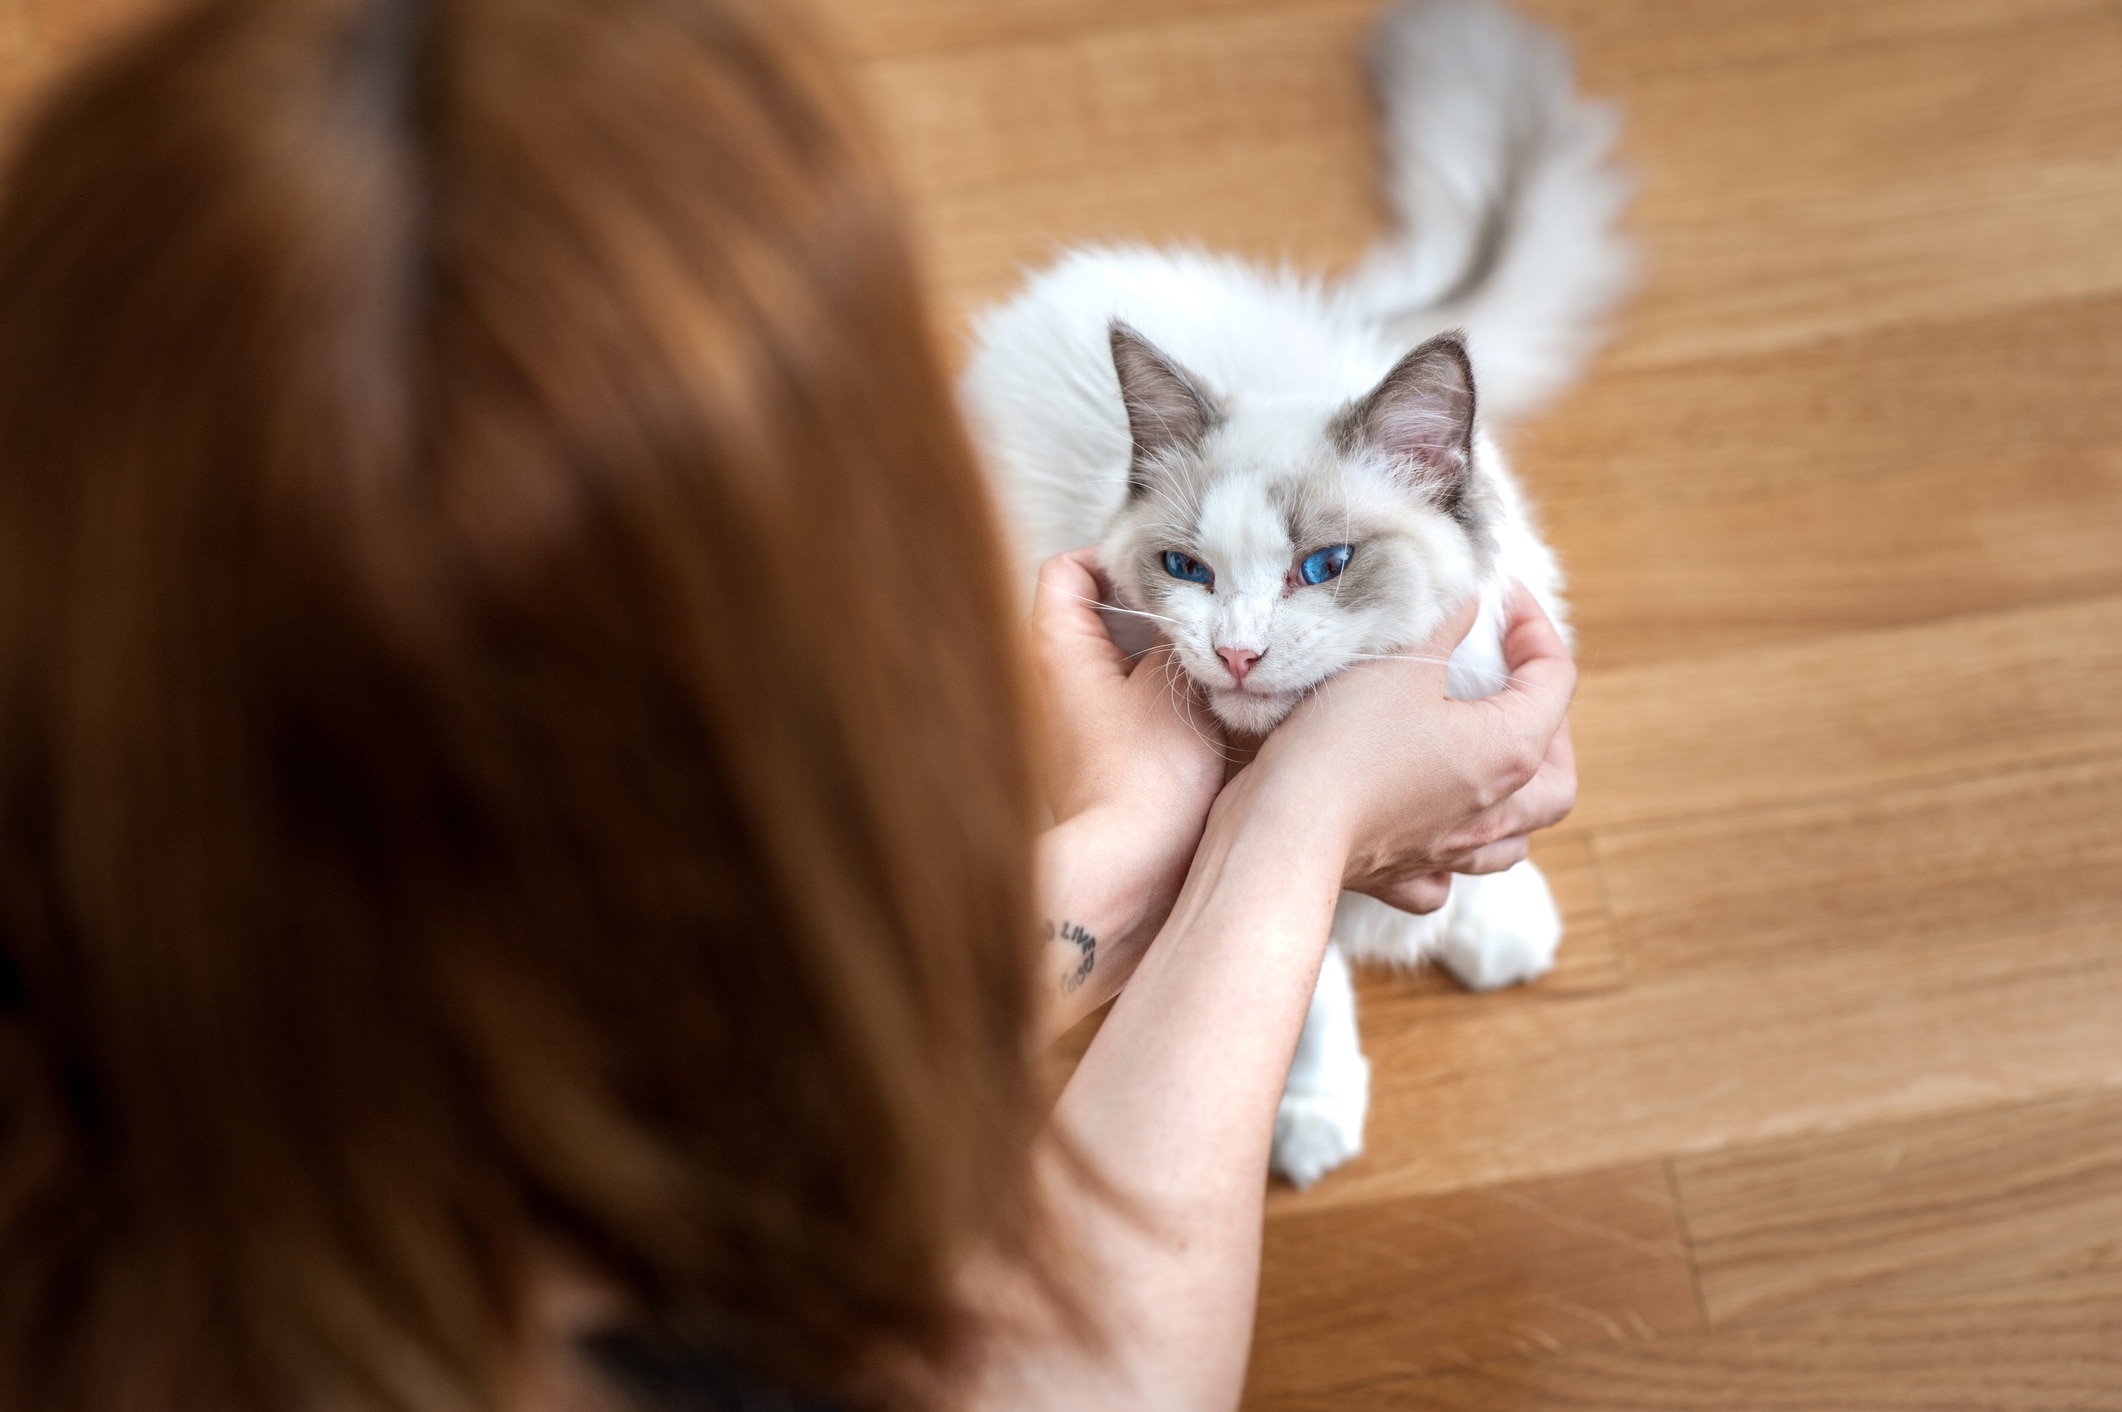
(1086, 952)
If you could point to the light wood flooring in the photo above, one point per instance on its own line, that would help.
(1823, 1107)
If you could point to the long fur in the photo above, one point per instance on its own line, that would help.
(1508, 198)
(1275, 414)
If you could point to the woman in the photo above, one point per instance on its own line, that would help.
(518, 884)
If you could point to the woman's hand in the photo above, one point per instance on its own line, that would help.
(1425, 786)
(1133, 763)
(1378, 782)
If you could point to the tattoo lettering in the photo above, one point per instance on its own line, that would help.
(1086, 950)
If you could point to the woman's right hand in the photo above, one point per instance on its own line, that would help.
(1423, 786)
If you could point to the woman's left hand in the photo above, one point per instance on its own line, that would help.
(1133, 764)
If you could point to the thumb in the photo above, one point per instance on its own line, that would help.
(1534, 653)
(1066, 627)
(1456, 625)
(1534, 703)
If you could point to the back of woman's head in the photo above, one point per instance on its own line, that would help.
(509, 746)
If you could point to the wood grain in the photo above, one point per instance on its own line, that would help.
(895, 28)
(1910, 1211)
(1849, 712)
(1840, 547)
(1076, 109)
(1352, 1296)
(2042, 1347)
(1872, 406)
(1712, 1059)
(2019, 852)
(1616, 43)
(1011, 152)
(1948, 176)
(1621, 45)
(977, 244)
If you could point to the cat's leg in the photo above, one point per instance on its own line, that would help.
(1500, 928)
(1320, 1124)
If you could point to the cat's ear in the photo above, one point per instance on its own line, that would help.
(1421, 417)
(1166, 410)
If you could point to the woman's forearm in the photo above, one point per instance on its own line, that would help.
(1100, 910)
(1175, 1106)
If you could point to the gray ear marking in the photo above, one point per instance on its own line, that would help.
(1166, 409)
(1421, 416)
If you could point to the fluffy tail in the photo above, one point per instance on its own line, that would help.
(1508, 197)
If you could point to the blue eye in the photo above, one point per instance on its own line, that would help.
(1323, 564)
(1181, 566)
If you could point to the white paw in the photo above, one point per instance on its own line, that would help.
(1503, 929)
(1368, 930)
(1316, 1131)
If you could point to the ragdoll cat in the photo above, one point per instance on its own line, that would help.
(1286, 475)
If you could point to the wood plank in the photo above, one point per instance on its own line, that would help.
(1289, 202)
(1766, 272)
(1964, 172)
(1880, 184)
(1591, 959)
(1248, 132)
(1849, 713)
(1616, 43)
(1881, 479)
(1709, 1060)
(1145, 98)
(2024, 384)
(2028, 1348)
(1906, 1211)
(880, 29)
(1624, 44)
(1843, 1268)
(1924, 867)
(1657, 579)
(1351, 1296)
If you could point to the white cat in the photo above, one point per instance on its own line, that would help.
(1281, 487)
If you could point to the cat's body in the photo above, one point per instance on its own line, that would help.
(1281, 487)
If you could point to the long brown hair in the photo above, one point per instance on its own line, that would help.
(509, 730)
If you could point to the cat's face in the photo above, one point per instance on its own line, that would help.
(1274, 545)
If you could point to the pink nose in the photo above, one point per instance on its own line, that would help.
(1240, 661)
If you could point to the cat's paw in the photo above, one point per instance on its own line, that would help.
(1503, 929)
(1316, 1131)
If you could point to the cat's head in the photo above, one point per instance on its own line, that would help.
(1277, 542)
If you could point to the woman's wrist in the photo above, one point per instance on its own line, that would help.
(1283, 804)
(1103, 890)
(1108, 879)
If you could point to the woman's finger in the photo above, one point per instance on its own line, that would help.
(1453, 630)
(1533, 708)
(1543, 676)
(1551, 793)
(1065, 616)
(1540, 803)
(1068, 588)
(1495, 857)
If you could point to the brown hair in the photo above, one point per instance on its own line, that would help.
(509, 728)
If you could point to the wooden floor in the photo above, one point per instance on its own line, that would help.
(1823, 1108)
